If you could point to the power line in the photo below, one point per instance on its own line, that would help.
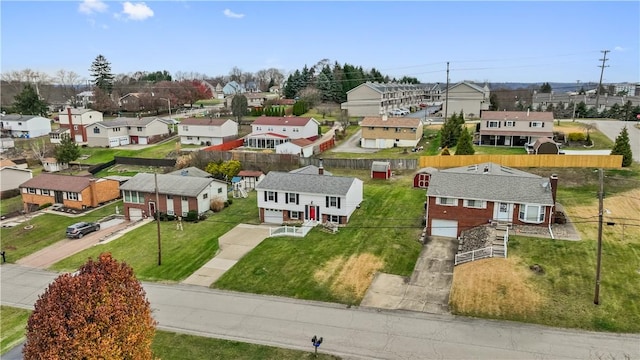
(604, 60)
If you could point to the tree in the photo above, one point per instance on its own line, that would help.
(101, 73)
(239, 106)
(100, 312)
(67, 151)
(622, 147)
(224, 170)
(494, 103)
(465, 143)
(300, 107)
(28, 102)
(545, 88)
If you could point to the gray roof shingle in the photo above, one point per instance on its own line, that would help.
(191, 171)
(167, 184)
(306, 183)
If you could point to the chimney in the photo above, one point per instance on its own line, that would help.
(486, 169)
(528, 112)
(73, 133)
(553, 180)
(320, 168)
(384, 117)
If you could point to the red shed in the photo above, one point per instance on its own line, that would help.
(421, 179)
(380, 170)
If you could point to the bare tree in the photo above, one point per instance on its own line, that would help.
(39, 149)
(237, 75)
(69, 81)
(276, 75)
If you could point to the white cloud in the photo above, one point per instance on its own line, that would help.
(230, 14)
(139, 11)
(92, 6)
(619, 48)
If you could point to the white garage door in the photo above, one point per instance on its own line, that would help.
(114, 142)
(142, 141)
(135, 214)
(447, 228)
(272, 216)
(124, 140)
(369, 143)
(79, 138)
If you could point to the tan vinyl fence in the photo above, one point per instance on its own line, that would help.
(524, 161)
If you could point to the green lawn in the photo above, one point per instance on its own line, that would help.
(47, 229)
(10, 204)
(183, 252)
(382, 235)
(102, 155)
(166, 345)
(13, 324)
(499, 150)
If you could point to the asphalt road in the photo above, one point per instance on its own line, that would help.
(612, 128)
(353, 333)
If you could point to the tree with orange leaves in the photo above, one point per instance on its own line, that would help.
(99, 312)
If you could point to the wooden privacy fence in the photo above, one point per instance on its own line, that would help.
(524, 161)
(361, 164)
(145, 161)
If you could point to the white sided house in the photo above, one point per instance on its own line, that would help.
(125, 131)
(177, 194)
(207, 131)
(285, 197)
(300, 147)
(269, 131)
(514, 128)
(76, 121)
(24, 126)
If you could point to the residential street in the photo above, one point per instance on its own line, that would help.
(354, 333)
(612, 128)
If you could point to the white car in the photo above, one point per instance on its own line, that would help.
(405, 111)
(396, 112)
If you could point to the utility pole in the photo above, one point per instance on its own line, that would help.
(157, 215)
(604, 59)
(596, 299)
(446, 95)
(573, 117)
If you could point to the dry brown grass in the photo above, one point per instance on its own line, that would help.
(494, 287)
(569, 128)
(349, 278)
(622, 209)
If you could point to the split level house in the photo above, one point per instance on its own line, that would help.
(125, 131)
(513, 128)
(24, 126)
(301, 196)
(465, 197)
(381, 132)
(75, 192)
(207, 131)
(74, 122)
(267, 132)
(177, 194)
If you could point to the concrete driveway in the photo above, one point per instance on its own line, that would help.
(429, 286)
(352, 145)
(612, 128)
(233, 246)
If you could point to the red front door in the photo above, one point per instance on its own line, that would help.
(312, 213)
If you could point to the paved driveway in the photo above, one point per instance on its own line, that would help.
(612, 128)
(352, 145)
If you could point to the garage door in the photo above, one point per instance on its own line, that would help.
(447, 228)
(135, 214)
(272, 216)
(124, 140)
(114, 142)
(369, 143)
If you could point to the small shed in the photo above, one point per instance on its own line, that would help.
(250, 178)
(545, 145)
(380, 170)
(422, 177)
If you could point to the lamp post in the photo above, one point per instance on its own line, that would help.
(169, 104)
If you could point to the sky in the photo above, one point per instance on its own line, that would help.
(502, 41)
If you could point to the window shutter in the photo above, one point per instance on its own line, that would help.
(326, 198)
(297, 199)
(286, 198)
(498, 123)
(276, 196)
(505, 123)
(306, 212)
(265, 196)
(543, 124)
(487, 124)
(529, 123)
(338, 203)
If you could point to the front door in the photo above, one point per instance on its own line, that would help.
(58, 196)
(152, 208)
(503, 211)
(311, 212)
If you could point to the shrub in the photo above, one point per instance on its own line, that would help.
(230, 201)
(577, 137)
(217, 204)
(445, 151)
(192, 216)
(44, 206)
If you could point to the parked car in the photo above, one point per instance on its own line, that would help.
(78, 230)
(405, 111)
(396, 112)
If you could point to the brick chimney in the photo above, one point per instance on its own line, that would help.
(553, 180)
(94, 193)
(73, 133)
(320, 168)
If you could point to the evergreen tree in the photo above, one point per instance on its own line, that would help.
(494, 103)
(299, 108)
(623, 147)
(545, 88)
(239, 106)
(101, 73)
(465, 143)
(27, 102)
(67, 151)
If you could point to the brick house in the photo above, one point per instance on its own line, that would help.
(465, 197)
(177, 194)
(514, 128)
(76, 192)
(380, 132)
(76, 121)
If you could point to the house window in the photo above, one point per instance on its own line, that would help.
(531, 213)
(370, 127)
(139, 128)
(219, 190)
(398, 130)
(184, 198)
(72, 196)
(333, 219)
(205, 195)
(292, 197)
(117, 129)
(258, 128)
(296, 130)
(75, 127)
(446, 201)
(133, 197)
(169, 197)
(284, 129)
(271, 196)
(170, 212)
(477, 204)
(385, 129)
(185, 128)
(509, 123)
(294, 215)
(189, 138)
(493, 124)
(96, 130)
(536, 124)
(333, 202)
(31, 190)
(45, 192)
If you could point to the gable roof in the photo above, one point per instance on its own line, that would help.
(167, 184)
(18, 117)
(204, 121)
(306, 183)
(380, 166)
(250, 173)
(310, 170)
(390, 122)
(543, 140)
(517, 115)
(283, 121)
(126, 121)
(75, 111)
(302, 142)
(469, 84)
(191, 171)
(499, 183)
(58, 182)
(6, 162)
